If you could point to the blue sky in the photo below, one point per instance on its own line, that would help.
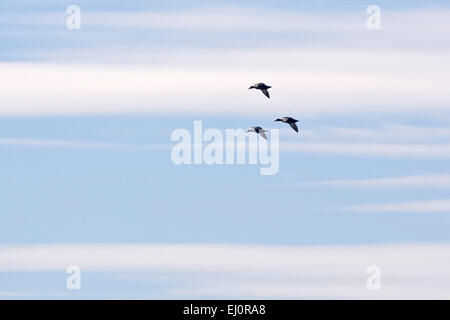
(85, 123)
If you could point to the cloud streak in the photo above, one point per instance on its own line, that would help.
(42, 143)
(242, 271)
(430, 206)
(392, 132)
(416, 181)
(131, 89)
(389, 150)
(420, 152)
(241, 18)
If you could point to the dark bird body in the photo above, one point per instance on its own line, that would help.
(290, 121)
(263, 87)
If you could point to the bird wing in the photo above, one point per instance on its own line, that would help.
(263, 134)
(266, 93)
(294, 126)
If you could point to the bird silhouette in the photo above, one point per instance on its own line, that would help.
(263, 87)
(259, 131)
(290, 121)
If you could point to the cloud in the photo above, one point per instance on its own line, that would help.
(391, 132)
(416, 270)
(219, 89)
(420, 152)
(391, 150)
(245, 18)
(212, 19)
(416, 181)
(430, 206)
(20, 142)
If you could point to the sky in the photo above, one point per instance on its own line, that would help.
(86, 117)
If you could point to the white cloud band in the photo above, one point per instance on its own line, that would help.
(407, 270)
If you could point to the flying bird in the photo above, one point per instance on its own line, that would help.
(263, 87)
(290, 121)
(258, 130)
